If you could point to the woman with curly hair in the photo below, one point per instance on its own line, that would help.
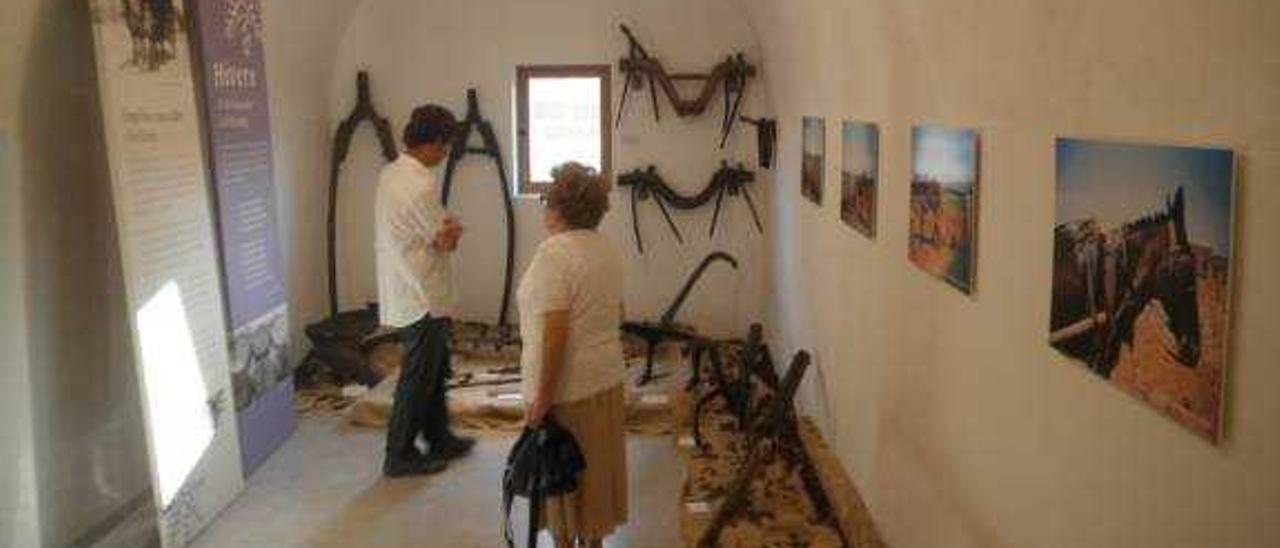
(570, 310)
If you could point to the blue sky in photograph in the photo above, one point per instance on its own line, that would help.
(861, 147)
(946, 154)
(814, 135)
(1121, 182)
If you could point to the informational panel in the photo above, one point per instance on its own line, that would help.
(238, 131)
(169, 258)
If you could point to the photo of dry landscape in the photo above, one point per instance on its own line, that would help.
(944, 203)
(813, 166)
(1142, 249)
(859, 175)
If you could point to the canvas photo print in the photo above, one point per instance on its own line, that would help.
(944, 203)
(813, 164)
(1142, 248)
(859, 175)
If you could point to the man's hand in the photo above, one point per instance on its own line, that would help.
(446, 239)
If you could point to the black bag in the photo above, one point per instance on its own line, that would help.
(544, 462)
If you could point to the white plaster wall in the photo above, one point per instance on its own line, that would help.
(19, 518)
(956, 419)
(432, 51)
(74, 447)
(19, 513)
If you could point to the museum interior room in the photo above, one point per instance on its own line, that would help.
(645, 273)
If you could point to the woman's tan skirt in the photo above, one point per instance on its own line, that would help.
(600, 504)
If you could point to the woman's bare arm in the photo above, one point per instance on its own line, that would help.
(555, 335)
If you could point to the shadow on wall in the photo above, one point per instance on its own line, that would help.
(17, 492)
(90, 452)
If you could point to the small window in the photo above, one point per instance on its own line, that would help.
(562, 115)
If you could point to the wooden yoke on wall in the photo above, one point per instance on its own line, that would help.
(646, 183)
(732, 73)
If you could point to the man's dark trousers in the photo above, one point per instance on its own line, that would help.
(419, 405)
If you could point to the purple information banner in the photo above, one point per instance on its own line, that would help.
(238, 129)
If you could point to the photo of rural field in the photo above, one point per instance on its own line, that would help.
(813, 163)
(944, 203)
(1142, 248)
(859, 175)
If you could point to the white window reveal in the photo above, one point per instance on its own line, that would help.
(563, 116)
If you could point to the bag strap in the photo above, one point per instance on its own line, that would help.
(535, 509)
(536, 494)
(535, 512)
(508, 495)
(509, 485)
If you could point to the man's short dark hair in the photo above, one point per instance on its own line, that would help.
(429, 124)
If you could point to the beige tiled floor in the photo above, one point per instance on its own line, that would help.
(323, 489)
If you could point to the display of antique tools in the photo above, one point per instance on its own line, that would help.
(646, 183)
(362, 112)
(766, 138)
(489, 148)
(752, 360)
(774, 431)
(337, 339)
(730, 74)
(665, 329)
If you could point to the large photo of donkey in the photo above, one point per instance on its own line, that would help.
(1142, 248)
(813, 162)
(858, 176)
(944, 203)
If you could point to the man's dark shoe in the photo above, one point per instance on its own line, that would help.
(420, 465)
(452, 447)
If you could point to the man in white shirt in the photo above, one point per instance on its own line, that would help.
(414, 239)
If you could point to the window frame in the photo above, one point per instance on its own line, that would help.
(523, 74)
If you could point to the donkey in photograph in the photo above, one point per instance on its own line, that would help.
(1103, 282)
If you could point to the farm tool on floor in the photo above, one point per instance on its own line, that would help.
(340, 347)
(751, 359)
(774, 429)
(654, 333)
